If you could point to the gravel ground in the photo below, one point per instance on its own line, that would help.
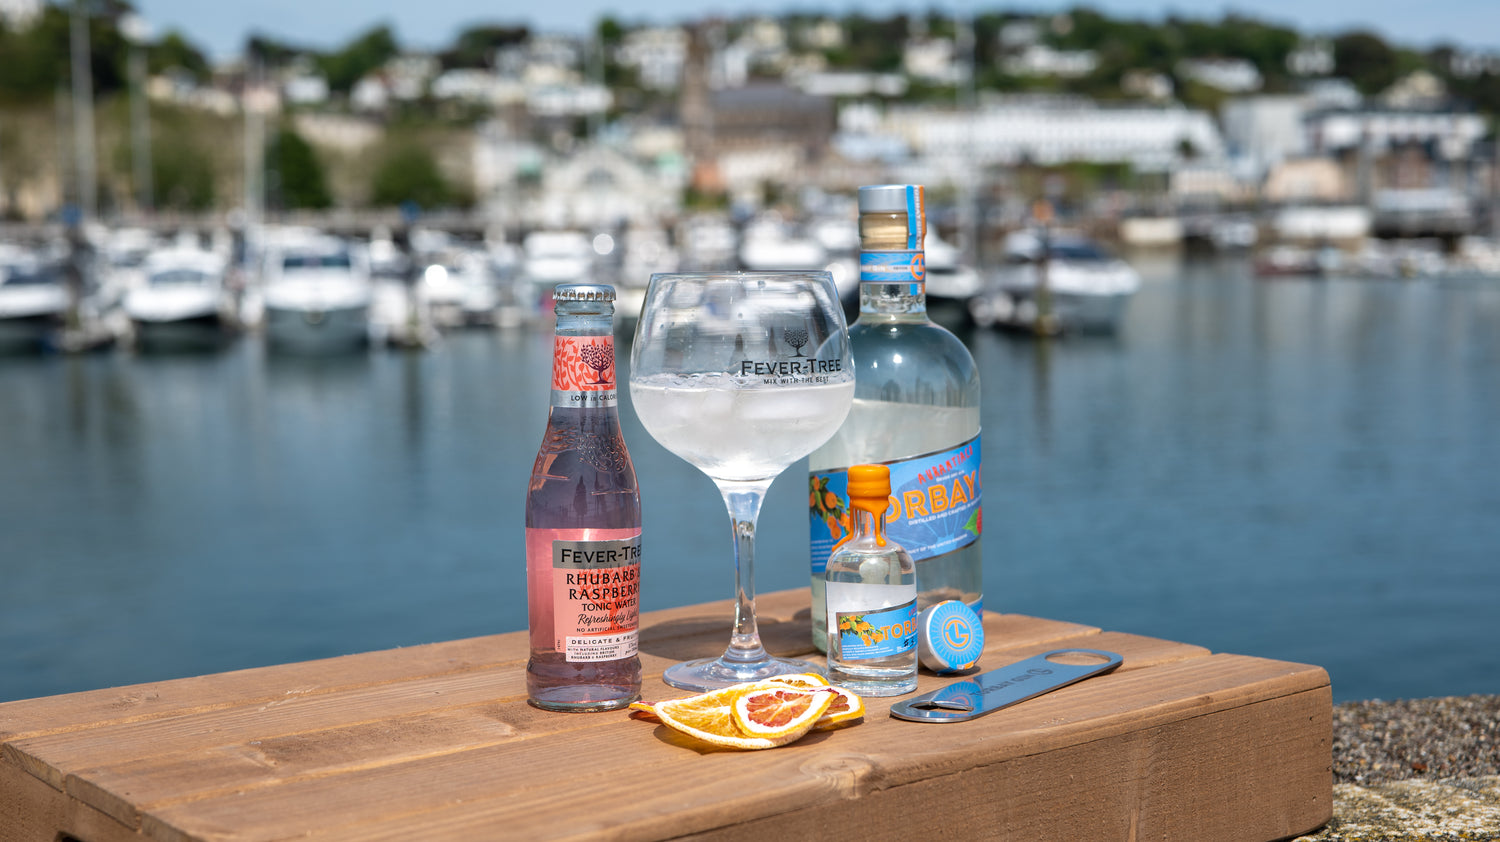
(1423, 770)
(1379, 742)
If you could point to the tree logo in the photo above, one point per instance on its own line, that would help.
(795, 337)
(600, 357)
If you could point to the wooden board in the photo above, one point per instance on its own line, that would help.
(437, 742)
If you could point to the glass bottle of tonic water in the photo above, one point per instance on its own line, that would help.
(583, 523)
(916, 410)
(871, 596)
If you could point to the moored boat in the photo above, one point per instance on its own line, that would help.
(1057, 281)
(181, 300)
(316, 293)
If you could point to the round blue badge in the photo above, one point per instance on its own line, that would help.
(950, 637)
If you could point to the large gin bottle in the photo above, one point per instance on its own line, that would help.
(916, 410)
(583, 523)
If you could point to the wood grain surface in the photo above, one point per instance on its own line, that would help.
(437, 742)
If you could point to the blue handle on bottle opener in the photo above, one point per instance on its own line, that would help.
(988, 692)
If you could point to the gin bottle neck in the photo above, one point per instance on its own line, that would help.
(892, 266)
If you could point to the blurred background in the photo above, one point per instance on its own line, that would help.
(275, 308)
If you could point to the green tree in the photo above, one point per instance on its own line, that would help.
(364, 54)
(1366, 60)
(182, 174)
(295, 177)
(408, 172)
(476, 46)
(35, 61)
(175, 51)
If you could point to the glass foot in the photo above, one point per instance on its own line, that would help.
(707, 674)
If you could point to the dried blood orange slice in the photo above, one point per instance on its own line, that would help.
(847, 709)
(808, 680)
(710, 717)
(779, 711)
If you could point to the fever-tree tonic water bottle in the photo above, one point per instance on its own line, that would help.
(916, 410)
(583, 523)
(871, 585)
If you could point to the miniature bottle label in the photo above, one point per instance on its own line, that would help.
(892, 267)
(935, 505)
(864, 635)
(594, 590)
(583, 371)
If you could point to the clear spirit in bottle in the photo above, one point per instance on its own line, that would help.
(916, 410)
(871, 587)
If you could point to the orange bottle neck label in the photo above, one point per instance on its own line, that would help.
(583, 371)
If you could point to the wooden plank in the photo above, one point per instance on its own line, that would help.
(263, 685)
(438, 742)
(708, 793)
(32, 811)
(233, 748)
(526, 776)
(1238, 775)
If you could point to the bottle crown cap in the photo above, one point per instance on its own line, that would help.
(869, 482)
(583, 292)
(889, 198)
(950, 636)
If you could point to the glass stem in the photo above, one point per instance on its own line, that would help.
(743, 500)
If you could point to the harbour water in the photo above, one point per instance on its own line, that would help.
(1306, 470)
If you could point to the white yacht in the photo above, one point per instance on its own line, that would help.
(549, 258)
(33, 301)
(459, 288)
(181, 299)
(316, 292)
(769, 243)
(1087, 287)
(646, 251)
(951, 283)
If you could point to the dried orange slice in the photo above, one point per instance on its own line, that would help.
(809, 680)
(786, 708)
(710, 717)
(847, 708)
(778, 712)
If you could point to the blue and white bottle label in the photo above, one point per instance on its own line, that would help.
(894, 267)
(881, 633)
(935, 505)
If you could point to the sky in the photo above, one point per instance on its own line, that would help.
(221, 28)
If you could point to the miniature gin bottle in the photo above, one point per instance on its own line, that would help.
(871, 587)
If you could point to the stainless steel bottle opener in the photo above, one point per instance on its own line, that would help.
(988, 692)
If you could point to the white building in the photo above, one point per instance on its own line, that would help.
(407, 76)
(1265, 130)
(1147, 84)
(1019, 33)
(1311, 58)
(1451, 134)
(657, 54)
(823, 34)
(1055, 131)
(466, 84)
(849, 84)
(932, 60)
(1326, 94)
(370, 94)
(1233, 75)
(568, 100)
(304, 87)
(20, 14)
(1466, 64)
(1042, 60)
